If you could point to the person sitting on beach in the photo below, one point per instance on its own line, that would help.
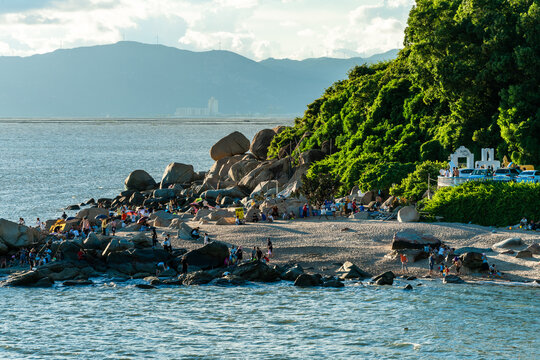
(270, 218)
(494, 272)
(522, 223)
(255, 218)
(404, 261)
(291, 215)
(195, 233)
(275, 211)
(21, 221)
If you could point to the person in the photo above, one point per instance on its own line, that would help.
(154, 237)
(275, 211)
(38, 223)
(305, 210)
(167, 243)
(64, 215)
(80, 255)
(253, 254)
(161, 265)
(441, 268)
(21, 221)
(522, 223)
(205, 238)
(113, 227)
(239, 254)
(446, 271)
(184, 265)
(404, 261)
(291, 215)
(270, 218)
(259, 254)
(333, 209)
(237, 220)
(323, 212)
(255, 218)
(270, 246)
(86, 226)
(457, 264)
(195, 233)
(104, 227)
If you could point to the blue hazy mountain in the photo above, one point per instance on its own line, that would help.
(141, 80)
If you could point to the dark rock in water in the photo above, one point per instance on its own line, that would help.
(473, 261)
(60, 271)
(452, 279)
(145, 286)
(408, 287)
(30, 278)
(307, 280)
(197, 278)
(91, 201)
(139, 180)
(153, 280)
(350, 271)
(410, 239)
(256, 271)
(291, 273)
(524, 254)
(172, 282)
(410, 278)
(73, 207)
(209, 256)
(229, 280)
(386, 278)
(77, 282)
(330, 281)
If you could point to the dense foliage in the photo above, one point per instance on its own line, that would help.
(487, 203)
(468, 75)
(319, 188)
(415, 185)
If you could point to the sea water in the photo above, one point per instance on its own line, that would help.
(46, 165)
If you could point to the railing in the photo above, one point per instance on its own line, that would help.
(443, 181)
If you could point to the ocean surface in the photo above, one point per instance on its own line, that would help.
(46, 165)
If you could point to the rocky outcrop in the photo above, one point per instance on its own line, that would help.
(91, 213)
(256, 271)
(197, 278)
(233, 144)
(307, 280)
(524, 254)
(261, 142)
(411, 239)
(28, 278)
(14, 236)
(408, 214)
(452, 279)
(534, 249)
(229, 280)
(350, 271)
(386, 278)
(269, 170)
(140, 180)
(240, 169)
(474, 261)
(209, 256)
(509, 243)
(177, 173)
(291, 273)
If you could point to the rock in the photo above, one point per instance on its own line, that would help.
(14, 236)
(508, 243)
(29, 278)
(209, 256)
(60, 271)
(91, 213)
(73, 207)
(266, 171)
(184, 232)
(361, 215)
(331, 281)
(233, 144)
(165, 194)
(534, 249)
(218, 214)
(411, 239)
(508, 252)
(141, 241)
(408, 287)
(153, 280)
(524, 254)
(144, 286)
(473, 261)
(232, 191)
(306, 280)
(467, 249)
(92, 242)
(260, 143)
(137, 199)
(408, 214)
(251, 212)
(175, 224)
(197, 278)
(81, 282)
(256, 271)
(229, 280)
(411, 278)
(452, 279)
(262, 188)
(240, 169)
(292, 273)
(310, 156)
(177, 173)
(350, 271)
(386, 278)
(226, 221)
(139, 180)
(116, 245)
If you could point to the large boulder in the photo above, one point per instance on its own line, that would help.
(268, 170)
(92, 242)
(91, 213)
(141, 241)
(292, 273)
(386, 278)
(534, 249)
(31, 278)
(14, 236)
(408, 214)
(509, 243)
(412, 239)
(262, 188)
(233, 144)
(474, 261)
(524, 254)
(232, 191)
(60, 271)
(139, 180)
(260, 143)
(452, 279)
(116, 245)
(310, 156)
(360, 215)
(240, 169)
(307, 280)
(184, 231)
(256, 271)
(229, 280)
(197, 278)
(177, 173)
(210, 256)
(350, 271)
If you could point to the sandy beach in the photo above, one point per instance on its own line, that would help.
(321, 245)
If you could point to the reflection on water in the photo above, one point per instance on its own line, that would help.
(271, 322)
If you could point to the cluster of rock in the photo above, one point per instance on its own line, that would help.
(14, 236)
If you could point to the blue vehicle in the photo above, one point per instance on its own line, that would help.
(481, 175)
(532, 176)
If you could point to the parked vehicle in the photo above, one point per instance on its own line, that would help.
(481, 175)
(465, 173)
(529, 176)
(505, 174)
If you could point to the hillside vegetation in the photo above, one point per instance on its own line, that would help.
(468, 75)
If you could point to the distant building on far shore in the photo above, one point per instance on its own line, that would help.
(211, 110)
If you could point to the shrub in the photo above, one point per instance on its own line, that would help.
(487, 203)
(383, 176)
(416, 183)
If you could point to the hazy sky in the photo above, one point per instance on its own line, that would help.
(257, 29)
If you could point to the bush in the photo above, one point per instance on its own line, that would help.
(415, 184)
(383, 176)
(487, 203)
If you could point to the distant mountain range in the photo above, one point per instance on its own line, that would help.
(130, 79)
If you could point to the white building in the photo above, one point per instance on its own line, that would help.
(211, 110)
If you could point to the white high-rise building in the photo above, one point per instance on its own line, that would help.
(211, 110)
(213, 106)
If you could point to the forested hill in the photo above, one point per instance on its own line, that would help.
(468, 75)
(141, 80)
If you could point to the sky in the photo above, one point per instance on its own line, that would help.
(257, 29)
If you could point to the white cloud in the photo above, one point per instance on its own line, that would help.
(256, 29)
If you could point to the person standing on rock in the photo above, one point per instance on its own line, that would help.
(86, 226)
(167, 243)
(431, 263)
(113, 227)
(205, 238)
(21, 221)
(154, 237)
(104, 227)
(270, 247)
(259, 254)
(404, 261)
(64, 215)
(184, 265)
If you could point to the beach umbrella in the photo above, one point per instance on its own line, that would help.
(101, 217)
(131, 213)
